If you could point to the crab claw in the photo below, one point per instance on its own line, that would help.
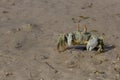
(92, 43)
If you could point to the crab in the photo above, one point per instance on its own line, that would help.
(80, 37)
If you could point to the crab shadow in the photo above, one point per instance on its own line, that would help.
(77, 47)
(108, 48)
(83, 48)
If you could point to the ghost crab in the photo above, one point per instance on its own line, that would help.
(79, 37)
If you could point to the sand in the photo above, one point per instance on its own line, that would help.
(29, 31)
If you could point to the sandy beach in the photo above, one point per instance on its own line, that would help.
(29, 31)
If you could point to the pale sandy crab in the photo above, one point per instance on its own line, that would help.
(89, 39)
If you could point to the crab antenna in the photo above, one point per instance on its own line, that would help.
(78, 27)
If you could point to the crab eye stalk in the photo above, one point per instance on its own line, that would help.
(85, 29)
(78, 27)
